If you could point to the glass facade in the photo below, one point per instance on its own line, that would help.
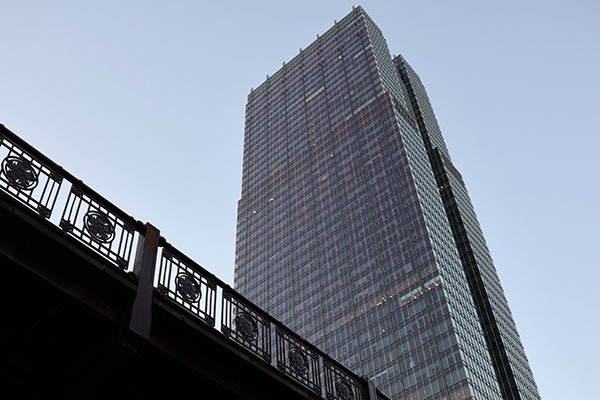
(345, 234)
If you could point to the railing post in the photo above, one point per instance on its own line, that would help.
(143, 269)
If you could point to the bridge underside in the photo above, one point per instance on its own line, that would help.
(53, 346)
(64, 330)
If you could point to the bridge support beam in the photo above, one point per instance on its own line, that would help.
(144, 266)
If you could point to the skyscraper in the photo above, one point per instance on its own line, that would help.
(356, 230)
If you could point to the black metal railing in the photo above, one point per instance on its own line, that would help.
(103, 228)
(339, 384)
(34, 180)
(110, 234)
(245, 324)
(187, 284)
(27, 178)
(298, 359)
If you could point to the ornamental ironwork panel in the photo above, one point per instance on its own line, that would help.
(339, 383)
(245, 324)
(187, 284)
(28, 179)
(103, 229)
(298, 359)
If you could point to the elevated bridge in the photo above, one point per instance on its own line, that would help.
(95, 303)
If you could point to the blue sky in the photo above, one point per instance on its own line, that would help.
(144, 101)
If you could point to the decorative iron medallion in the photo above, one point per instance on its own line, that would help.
(298, 360)
(343, 389)
(188, 287)
(19, 173)
(246, 326)
(99, 226)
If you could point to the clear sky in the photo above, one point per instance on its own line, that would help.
(144, 101)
